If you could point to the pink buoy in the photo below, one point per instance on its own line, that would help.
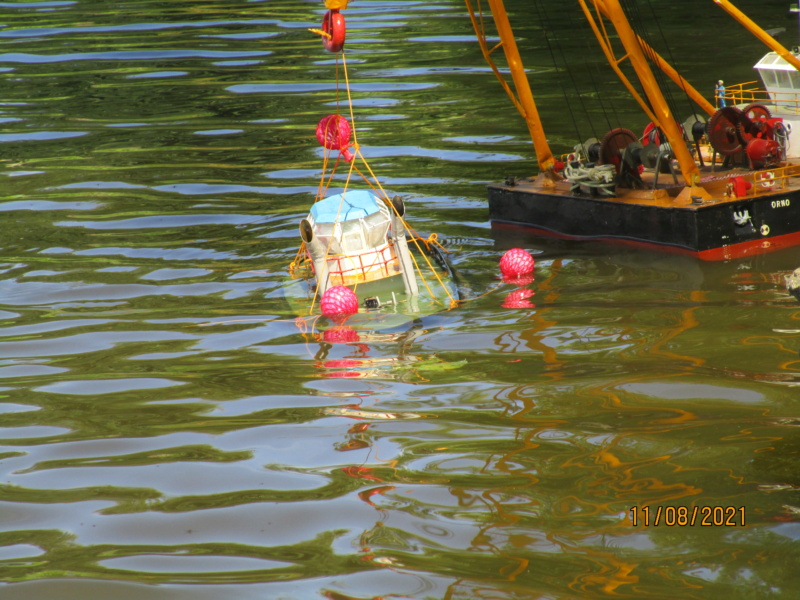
(516, 262)
(338, 300)
(519, 299)
(333, 132)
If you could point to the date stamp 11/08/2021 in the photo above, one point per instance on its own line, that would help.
(686, 516)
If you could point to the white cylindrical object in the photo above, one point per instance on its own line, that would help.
(317, 251)
(401, 247)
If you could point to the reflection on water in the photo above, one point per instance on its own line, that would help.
(168, 419)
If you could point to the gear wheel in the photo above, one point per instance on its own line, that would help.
(756, 110)
(612, 145)
(723, 132)
(754, 122)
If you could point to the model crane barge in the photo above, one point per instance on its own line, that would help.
(657, 189)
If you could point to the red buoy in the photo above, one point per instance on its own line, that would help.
(333, 25)
(516, 262)
(338, 300)
(333, 132)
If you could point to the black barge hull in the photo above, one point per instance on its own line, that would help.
(710, 230)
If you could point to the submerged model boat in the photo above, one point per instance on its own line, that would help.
(662, 188)
(348, 240)
(360, 240)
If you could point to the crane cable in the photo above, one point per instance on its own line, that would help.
(323, 185)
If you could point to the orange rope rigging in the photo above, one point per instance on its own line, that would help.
(326, 179)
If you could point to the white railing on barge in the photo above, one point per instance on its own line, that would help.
(740, 94)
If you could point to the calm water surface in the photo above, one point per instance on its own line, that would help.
(169, 430)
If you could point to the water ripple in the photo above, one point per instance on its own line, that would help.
(167, 418)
